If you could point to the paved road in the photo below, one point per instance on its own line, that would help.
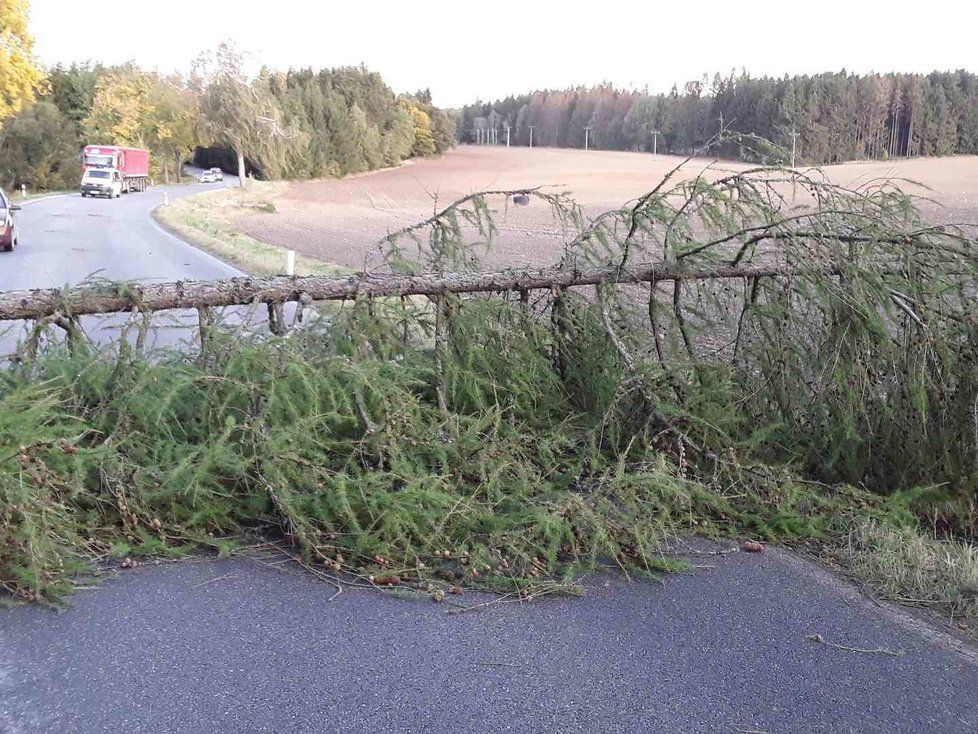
(236, 647)
(66, 239)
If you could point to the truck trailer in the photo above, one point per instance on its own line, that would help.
(109, 170)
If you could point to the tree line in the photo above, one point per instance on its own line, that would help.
(295, 124)
(828, 117)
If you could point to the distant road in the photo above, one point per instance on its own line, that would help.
(66, 239)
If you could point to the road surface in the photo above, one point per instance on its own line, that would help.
(66, 239)
(233, 646)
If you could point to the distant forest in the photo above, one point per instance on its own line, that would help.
(295, 124)
(837, 116)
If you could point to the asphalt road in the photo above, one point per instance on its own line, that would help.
(67, 239)
(233, 646)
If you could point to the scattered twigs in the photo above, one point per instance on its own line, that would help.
(214, 580)
(817, 638)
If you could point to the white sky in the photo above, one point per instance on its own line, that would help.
(468, 50)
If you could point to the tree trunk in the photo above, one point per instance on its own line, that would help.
(99, 298)
(166, 171)
(242, 178)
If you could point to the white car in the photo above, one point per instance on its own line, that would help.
(207, 177)
(218, 174)
(102, 182)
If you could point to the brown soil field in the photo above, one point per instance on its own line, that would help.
(340, 221)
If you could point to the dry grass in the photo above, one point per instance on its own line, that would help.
(906, 566)
(205, 221)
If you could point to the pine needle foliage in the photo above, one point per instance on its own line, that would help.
(514, 441)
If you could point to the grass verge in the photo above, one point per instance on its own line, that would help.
(914, 568)
(205, 221)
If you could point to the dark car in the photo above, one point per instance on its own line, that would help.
(9, 237)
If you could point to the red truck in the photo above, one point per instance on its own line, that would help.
(108, 170)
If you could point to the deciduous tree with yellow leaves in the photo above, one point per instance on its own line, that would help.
(20, 75)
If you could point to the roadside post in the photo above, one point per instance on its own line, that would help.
(166, 198)
(290, 262)
(23, 191)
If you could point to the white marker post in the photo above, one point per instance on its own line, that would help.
(166, 198)
(23, 191)
(290, 262)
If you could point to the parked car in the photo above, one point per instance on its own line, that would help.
(207, 177)
(9, 235)
(218, 174)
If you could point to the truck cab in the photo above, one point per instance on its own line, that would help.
(105, 182)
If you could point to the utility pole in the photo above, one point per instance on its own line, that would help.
(507, 136)
(794, 138)
(531, 134)
(587, 132)
(655, 142)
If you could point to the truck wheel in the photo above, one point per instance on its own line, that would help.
(84, 195)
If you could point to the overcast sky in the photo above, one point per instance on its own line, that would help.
(469, 50)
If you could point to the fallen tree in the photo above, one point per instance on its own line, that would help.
(87, 299)
(722, 356)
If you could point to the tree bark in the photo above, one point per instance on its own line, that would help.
(98, 298)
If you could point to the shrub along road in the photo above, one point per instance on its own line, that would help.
(233, 646)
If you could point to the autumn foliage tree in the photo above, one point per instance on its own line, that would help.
(136, 108)
(424, 141)
(20, 75)
(121, 108)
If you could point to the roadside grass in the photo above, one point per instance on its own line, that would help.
(204, 220)
(915, 568)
